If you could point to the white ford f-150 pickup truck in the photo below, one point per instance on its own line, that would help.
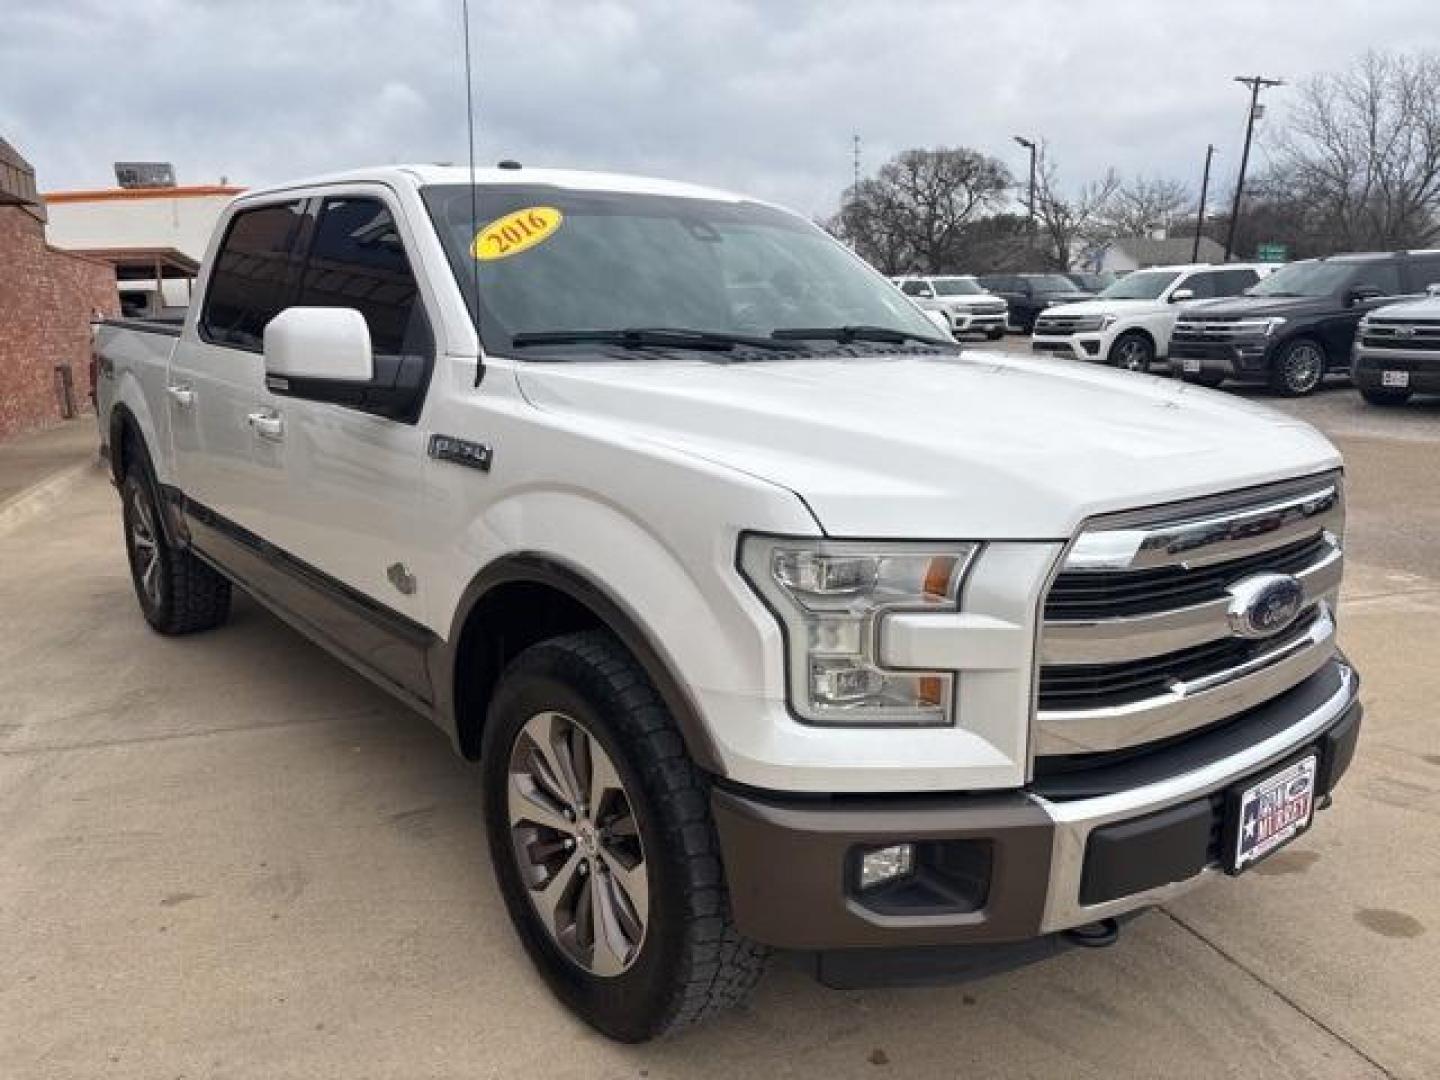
(773, 620)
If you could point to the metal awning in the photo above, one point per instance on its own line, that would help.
(143, 264)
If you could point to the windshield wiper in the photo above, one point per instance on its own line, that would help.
(846, 334)
(659, 337)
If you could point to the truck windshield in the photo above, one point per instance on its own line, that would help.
(1141, 285)
(1309, 278)
(957, 286)
(1053, 283)
(568, 269)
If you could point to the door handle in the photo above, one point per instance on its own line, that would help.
(267, 425)
(182, 394)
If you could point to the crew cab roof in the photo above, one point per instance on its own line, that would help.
(417, 176)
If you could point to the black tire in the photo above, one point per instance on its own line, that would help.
(1298, 368)
(1386, 399)
(1132, 351)
(178, 593)
(691, 961)
(1208, 379)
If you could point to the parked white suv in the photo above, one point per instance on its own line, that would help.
(773, 620)
(1129, 324)
(964, 302)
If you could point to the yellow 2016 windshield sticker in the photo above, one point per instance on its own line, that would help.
(516, 232)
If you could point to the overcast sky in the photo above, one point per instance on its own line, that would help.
(756, 95)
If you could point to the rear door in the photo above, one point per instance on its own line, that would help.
(1338, 330)
(216, 383)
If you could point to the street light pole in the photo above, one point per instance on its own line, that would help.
(1029, 144)
(1204, 193)
(1255, 82)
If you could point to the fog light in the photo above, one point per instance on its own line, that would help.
(886, 864)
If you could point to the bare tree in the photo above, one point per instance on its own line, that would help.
(1142, 204)
(1069, 224)
(912, 216)
(1362, 153)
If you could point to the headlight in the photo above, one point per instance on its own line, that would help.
(1272, 324)
(830, 597)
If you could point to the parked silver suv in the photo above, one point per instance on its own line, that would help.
(965, 303)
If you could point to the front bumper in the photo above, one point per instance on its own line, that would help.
(1244, 359)
(1081, 346)
(1071, 849)
(1423, 367)
(974, 322)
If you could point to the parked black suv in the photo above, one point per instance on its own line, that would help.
(1297, 324)
(1030, 294)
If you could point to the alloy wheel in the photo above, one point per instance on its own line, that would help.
(1132, 355)
(1304, 366)
(145, 548)
(577, 844)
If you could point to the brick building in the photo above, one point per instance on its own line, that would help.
(47, 299)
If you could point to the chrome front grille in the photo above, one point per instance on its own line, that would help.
(1065, 324)
(1419, 336)
(1218, 329)
(1145, 638)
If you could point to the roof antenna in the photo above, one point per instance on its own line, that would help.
(474, 196)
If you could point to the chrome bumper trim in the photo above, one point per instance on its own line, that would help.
(1186, 706)
(1074, 821)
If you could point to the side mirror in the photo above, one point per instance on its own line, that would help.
(926, 294)
(1358, 294)
(1182, 294)
(317, 345)
(941, 322)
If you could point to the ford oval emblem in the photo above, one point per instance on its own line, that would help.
(1263, 605)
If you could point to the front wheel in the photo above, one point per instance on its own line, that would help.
(1384, 398)
(1299, 368)
(600, 832)
(1132, 351)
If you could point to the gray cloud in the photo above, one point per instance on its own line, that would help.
(758, 96)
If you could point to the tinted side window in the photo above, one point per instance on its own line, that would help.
(913, 288)
(356, 260)
(1234, 282)
(1202, 285)
(1385, 276)
(252, 273)
(1424, 272)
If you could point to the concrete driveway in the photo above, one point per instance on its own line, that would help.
(226, 856)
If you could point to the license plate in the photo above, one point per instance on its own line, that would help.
(1395, 378)
(1271, 812)
(1190, 363)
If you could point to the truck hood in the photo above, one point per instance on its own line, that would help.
(979, 445)
(1256, 307)
(1426, 310)
(1108, 307)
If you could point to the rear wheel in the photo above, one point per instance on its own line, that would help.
(600, 832)
(1132, 351)
(178, 593)
(1299, 368)
(1384, 398)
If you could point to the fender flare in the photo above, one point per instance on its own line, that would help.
(538, 569)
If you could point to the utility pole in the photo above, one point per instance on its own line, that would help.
(1029, 144)
(1255, 82)
(1204, 193)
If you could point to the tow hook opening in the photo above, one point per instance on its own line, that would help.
(1095, 935)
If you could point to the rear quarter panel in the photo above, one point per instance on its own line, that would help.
(135, 365)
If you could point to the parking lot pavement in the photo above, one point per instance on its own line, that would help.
(227, 856)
